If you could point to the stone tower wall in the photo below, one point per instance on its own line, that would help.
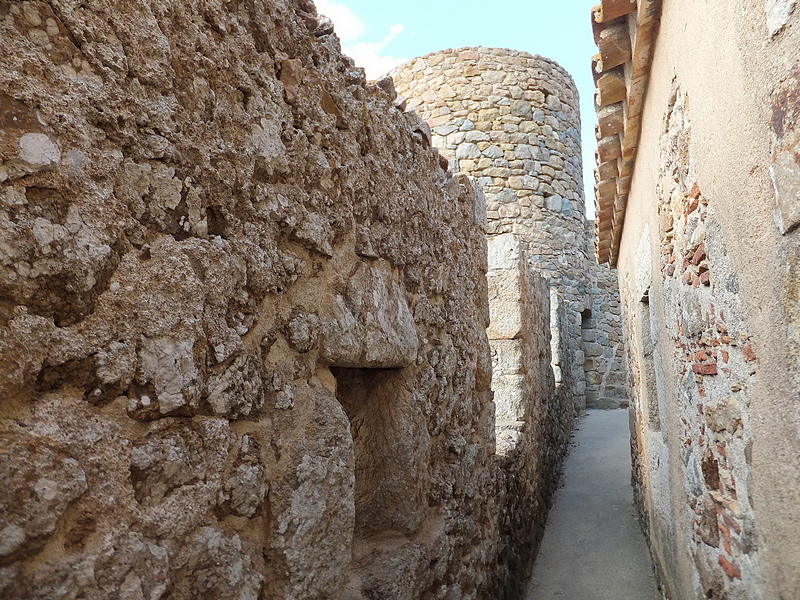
(510, 120)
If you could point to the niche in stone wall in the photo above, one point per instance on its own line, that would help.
(556, 335)
(647, 370)
(391, 446)
(586, 320)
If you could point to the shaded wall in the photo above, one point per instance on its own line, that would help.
(604, 364)
(708, 282)
(534, 417)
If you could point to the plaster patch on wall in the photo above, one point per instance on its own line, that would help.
(785, 168)
(778, 13)
(644, 267)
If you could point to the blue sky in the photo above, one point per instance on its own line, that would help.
(382, 35)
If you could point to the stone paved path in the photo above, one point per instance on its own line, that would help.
(593, 548)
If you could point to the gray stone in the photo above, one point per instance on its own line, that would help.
(467, 150)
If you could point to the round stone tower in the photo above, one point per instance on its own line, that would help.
(511, 121)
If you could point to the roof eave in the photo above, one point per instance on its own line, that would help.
(625, 33)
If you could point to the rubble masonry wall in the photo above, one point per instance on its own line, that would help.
(511, 121)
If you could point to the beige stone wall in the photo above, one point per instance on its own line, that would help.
(709, 280)
(534, 419)
(510, 121)
(242, 318)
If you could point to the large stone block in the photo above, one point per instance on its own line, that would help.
(507, 356)
(370, 325)
(505, 297)
(510, 397)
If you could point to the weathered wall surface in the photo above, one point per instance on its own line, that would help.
(534, 418)
(510, 121)
(242, 317)
(709, 280)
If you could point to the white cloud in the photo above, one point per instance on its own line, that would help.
(371, 57)
(350, 27)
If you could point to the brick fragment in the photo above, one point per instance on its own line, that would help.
(749, 352)
(699, 254)
(731, 570)
(704, 369)
(726, 533)
(731, 523)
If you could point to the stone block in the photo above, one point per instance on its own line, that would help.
(507, 357)
(505, 293)
(493, 152)
(370, 325)
(521, 108)
(510, 395)
(593, 378)
(509, 211)
(476, 136)
(592, 363)
(593, 349)
(503, 251)
(467, 150)
(554, 202)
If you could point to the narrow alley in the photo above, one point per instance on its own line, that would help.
(593, 548)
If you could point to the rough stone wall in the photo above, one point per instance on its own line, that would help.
(709, 287)
(713, 356)
(511, 122)
(603, 345)
(242, 317)
(534, 420)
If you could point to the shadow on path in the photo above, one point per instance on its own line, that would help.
(593, 548)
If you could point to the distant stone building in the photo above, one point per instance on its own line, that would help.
(511, 122)
(698, 182)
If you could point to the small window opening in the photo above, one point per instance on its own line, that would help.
(556, 347)
(648, 387)
(586, 319)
